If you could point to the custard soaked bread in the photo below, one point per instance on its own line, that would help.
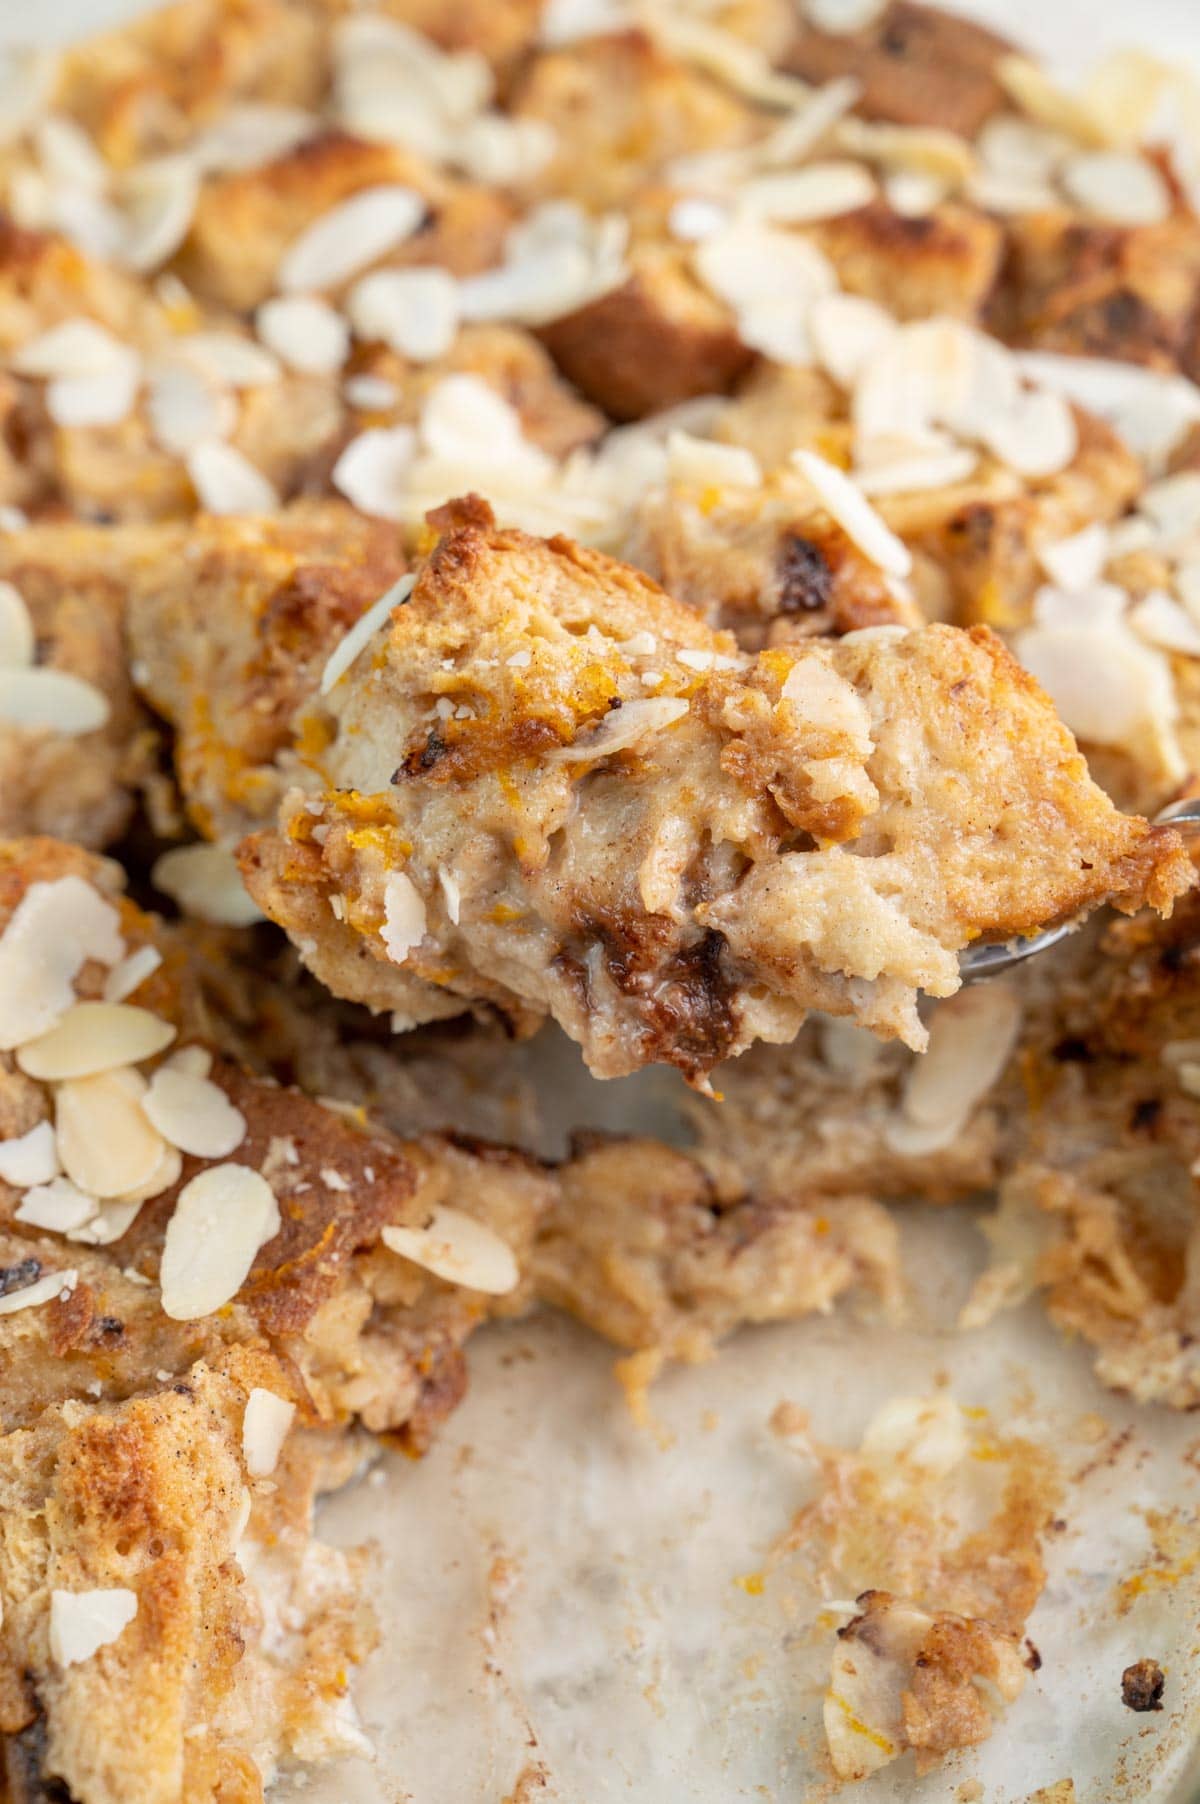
(552, 789)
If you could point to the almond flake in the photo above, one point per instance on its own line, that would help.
(505, 150)
(226, 482)
(82, 1622)
(227, 358)
(103, 399)
(42, 1290)
(1037, 437)
(840, 17)
(460, 1249)
(159, 201)
(556, 260)
(373, 471)
(452, 894)
(106, 1145)
(351, 235)
(696, 217)
(128, 977)
(404, 920)
(1015, 147)
(193, 1114)
(205, 882)
(196, 1060)
(31, 1158)
(265, 1427)
(770, 279)
(971, 1038)
(624, 727)
(75, 347)
(1118, 186)
(55, 928)
(1161, 621)
(1173, 505)
(57, 1205)
(363, 631)
(113, 1219)
(1076, 562)
(223, 1217)
(415, 311)
(707, 463)
(374, 394)
(1109, 687)
(825, 700)
(925, 469)
(249, 135)
(846, 331)
(306, 332)
(1150, 409)
(18, 640)
(186, 408)
(847, 505)
(51, 700)
(816, 191)
(165, 1174)
(95, 1036)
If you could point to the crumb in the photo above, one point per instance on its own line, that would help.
(1142, 1685)
(788, 1419)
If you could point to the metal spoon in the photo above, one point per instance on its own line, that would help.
(990, 960)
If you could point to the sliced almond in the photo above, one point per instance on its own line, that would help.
(128, 977)
(458, 1248)
(30, 1158)
(58, 1206)
(186, 408)
(415, 311)
(708, 463)
(1118, 186)
(971, 1038)
(404, 918)
(848, 506)
(42, 1290)
(223, 1217)
(54, 701)
(846, 332)
(623, 728)
(373, 471)
(1076, 562)
(229, 358)
(1161, 621)
(106, 1145)
(194, 1114)
(363, 631)
(205, 882)
(82, 1622)
(351, 235)
(95, 1036)
(816, 191)
(306, 332)
(75, 347)
(55, 928)
(226, 482)
(265, 1426)
(159, 202)
(104, 399)
(18, 640)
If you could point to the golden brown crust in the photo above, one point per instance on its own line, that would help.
(245, 222)
(80, 788)
(1097, 290)
(622, 108)
(657, 340)
(917, 65)
(145, 87)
